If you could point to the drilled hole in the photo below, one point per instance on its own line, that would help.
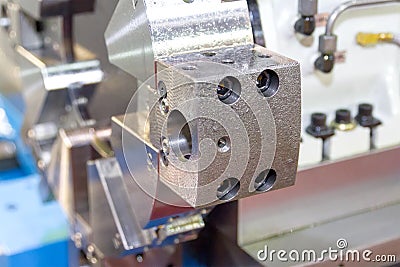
(228, 189)
(164, 106)
(179, 135)
(229, 90)
(268, 83)
(265, 180)
(162, 89)
(224, 144)
(164, 158)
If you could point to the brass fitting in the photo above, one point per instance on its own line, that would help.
(371, 39)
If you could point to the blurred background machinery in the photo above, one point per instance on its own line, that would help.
(164, 133)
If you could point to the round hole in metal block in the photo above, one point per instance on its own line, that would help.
(162, 89)
(164, 105)
(229, 90)
(268, 83)
(265, 180)
(224, 144)
(228, 189)
(179, 135)
(163, 158)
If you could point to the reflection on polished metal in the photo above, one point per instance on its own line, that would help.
(143, 31)
(351, 5)
(111, 212)
(73, 149)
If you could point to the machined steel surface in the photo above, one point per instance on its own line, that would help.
(149, 198)
(66, 173)
(143, 31)
(351, 5)
(117, 229)
(41, 70)
(262, 142)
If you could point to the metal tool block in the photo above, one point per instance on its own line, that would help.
(226, 124)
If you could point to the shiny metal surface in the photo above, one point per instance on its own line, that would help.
(308, 7)
(66, 174)
(141, 32)
(144, 197)
(350, 5)
(113, 94)
(116, 227)
(44, 87)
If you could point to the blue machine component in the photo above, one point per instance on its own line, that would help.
(33, 233)
(11, 119)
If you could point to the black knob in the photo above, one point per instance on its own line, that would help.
(365, 117)
(318, 120)
(365, 110)
(343, 116)
(325, 63)
(305, 25)
(318, 127)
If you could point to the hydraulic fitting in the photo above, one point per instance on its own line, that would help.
(366, 119)
(327, 46)
(343, 121)
(319, 129)
(328, 41)
(306, 23)
(371, 39)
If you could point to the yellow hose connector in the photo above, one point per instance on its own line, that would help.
(371, 39)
